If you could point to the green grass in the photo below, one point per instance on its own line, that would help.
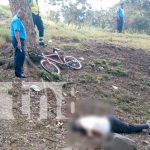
(113, 67)
(5, 10)
(86, 33)
(4, 35)
(60, 30)
(51, 76)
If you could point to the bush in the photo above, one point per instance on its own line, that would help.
(51, 76)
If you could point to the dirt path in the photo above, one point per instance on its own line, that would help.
(125, 68)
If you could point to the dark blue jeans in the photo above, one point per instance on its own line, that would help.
(19, 56)
(117, 126)
(39, 23)
(120, 23)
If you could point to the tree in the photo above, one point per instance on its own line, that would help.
(15, 5)
(75, 11)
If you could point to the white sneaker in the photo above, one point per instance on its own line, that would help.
(148, 123)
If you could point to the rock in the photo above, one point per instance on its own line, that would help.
(120, 142)
(147, 147)
(50, 41)
(81, 58)
(146, 142)
(115, 87)
(35, 88)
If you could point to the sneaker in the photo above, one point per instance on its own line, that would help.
(21, 76)
(148, 123)
(41, 43)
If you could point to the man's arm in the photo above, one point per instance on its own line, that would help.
(17, 36)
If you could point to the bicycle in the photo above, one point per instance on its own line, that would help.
(51, 62)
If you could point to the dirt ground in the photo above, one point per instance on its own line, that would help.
(94, 93)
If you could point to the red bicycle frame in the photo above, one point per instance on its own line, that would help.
(50, 58)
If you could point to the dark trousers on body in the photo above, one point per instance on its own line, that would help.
(39, 24)
(120, 23)
(19, 56)
(117, 126)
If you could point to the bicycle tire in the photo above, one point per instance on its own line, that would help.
(72, 62)
(48, 66)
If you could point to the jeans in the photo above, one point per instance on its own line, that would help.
(117, 126)
(39, 23)
(19, 56)
(120, 23)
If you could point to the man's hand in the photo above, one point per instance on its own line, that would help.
(17, 36)
(19, 45)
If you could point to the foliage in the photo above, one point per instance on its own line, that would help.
(75, 12)
(5, 10)
(51, 76)
(113, 67)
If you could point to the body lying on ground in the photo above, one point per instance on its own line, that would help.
(96, 126)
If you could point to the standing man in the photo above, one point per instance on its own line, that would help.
(18, 35)
(37, 20)
(120, 17)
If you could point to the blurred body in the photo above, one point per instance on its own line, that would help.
(93, 126)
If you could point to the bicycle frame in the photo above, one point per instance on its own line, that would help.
(50, 58)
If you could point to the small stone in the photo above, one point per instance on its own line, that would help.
(146, 142)
(115, 87)
(81, 58)
(64, 94)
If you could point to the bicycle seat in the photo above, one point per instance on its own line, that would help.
(55, 50)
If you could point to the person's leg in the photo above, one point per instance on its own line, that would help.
(16, 58)
(22, 57)
(121, 24)
(34, 18)
(120, 127)
(17, 62)
(40, 27)
(117, 25)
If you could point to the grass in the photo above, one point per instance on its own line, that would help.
(113, 67)
(86, 33)
(51, 77)
(5, 10)
(4, 35)
(59, 30)
(13, 92)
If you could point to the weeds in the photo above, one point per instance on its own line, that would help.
(51, 76)
(102, 78)
(13, 92)
(113, 67)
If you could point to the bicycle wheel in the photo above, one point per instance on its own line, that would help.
(50, 66)
(72, 62)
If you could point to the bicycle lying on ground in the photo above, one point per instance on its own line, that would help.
(52, 62)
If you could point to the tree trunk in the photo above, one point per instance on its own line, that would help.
(15, 5)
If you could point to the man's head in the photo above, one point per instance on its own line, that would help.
(122, 5)
(21, 13)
